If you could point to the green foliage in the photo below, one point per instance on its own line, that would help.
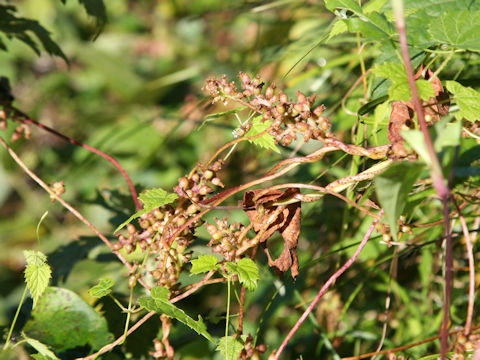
(399, 89)
(43, 351)
(457, 29)
(37, 274)
(20, 28)
(203, 264)
(103, 288)
(62, 320)
(247, 272)
(151, 199)
(266, 140)
(159, 303)
(392, 187)
(467, 99)
(229, 347)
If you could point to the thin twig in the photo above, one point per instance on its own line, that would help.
(325, 287)
(404, 347)
(471, 270)
(24, 118)
(435, 170)
(66, 205)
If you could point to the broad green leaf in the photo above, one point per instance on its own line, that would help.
(468, 100)
(102, 289)
(151, 199)
(447, 134)
(392, 187)
(229, 347)
(62, 320)
(160, 304)
(154, 198)
(343, 4)
(266, 141)
(373, 26)
(338, 27)
(457, 29)
(400, 90)
(203, 264)
(37, 274)
(374, 5)
(247, 272)
(42, 349)
(415, 139)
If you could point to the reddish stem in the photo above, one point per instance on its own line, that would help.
(24, 118)
(435, 169)
(325, 287)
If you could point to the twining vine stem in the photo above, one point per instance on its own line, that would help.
(438, 181)
(326, 286)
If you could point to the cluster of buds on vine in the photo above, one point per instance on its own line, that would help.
(22, 130)
(159, 227)
(198, 184)
(288, 117)
(250, 351)
(227, 239)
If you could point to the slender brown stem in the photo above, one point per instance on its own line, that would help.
(325, 287)
(471, 270)
(435, 170)
(66, 205)
(24, 118)
(404, 347)
(241, 311)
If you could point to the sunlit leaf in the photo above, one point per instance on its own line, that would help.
(400, 89)
(151, 199)
(62, 320)
(203, 264)
(457, 29)
(42, 349)
(266, 140)
(392, 188)
(467, 99)
(229, 347)
(159, 303)
(37, 274)
(247, 272)
(102, 289)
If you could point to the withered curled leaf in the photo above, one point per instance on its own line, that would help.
(269, 218)
(402, 116)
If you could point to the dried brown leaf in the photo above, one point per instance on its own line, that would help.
(268, 218)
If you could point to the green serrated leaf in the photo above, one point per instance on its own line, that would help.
(338, 27)
(468, 100)
(34, 257)
(374, 5)
(457, 29)
(343, 4)
(63, 320)
(229, 347)
(154, 198)
(266, 141)
(415, 139)
(160, 304)
(203, 264)
(247, 272)
(400, 89)
(151, 199)
(37, 274)
(393, 186)
(42, 349)
(372, 25)
(102, 289)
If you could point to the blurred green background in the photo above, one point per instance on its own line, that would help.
(132, 88)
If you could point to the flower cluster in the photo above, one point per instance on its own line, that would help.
(288, 117)
(199, 183)
(227, 239)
